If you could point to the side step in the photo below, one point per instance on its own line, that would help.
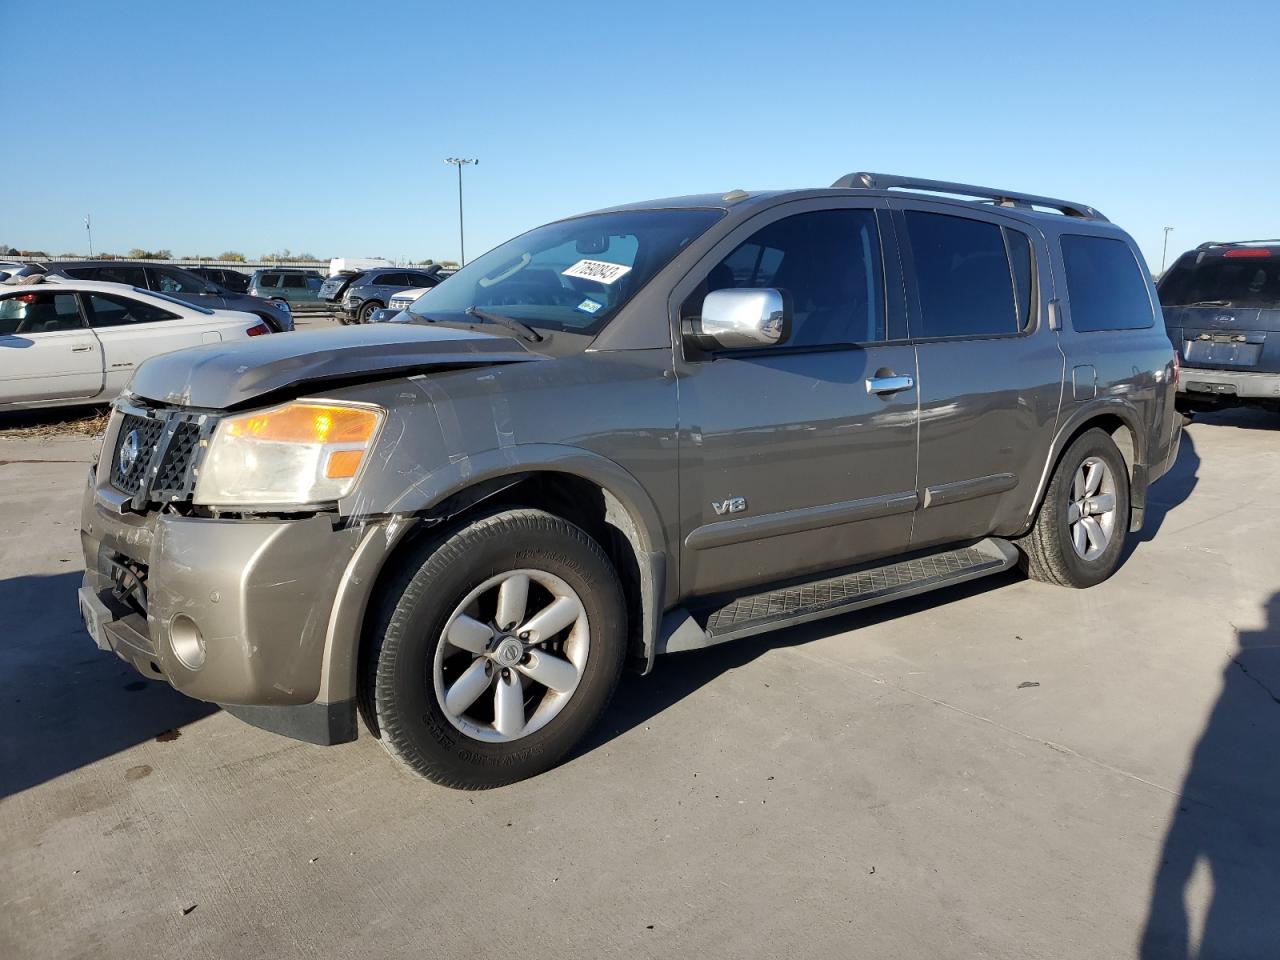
(802, 602)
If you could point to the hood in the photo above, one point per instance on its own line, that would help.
(224, 375)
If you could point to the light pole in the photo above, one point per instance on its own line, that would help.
(1165, 253)
(89, 228)
(460, 162)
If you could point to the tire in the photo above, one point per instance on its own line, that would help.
(1051, 550)
(412, 672)
(368, 309)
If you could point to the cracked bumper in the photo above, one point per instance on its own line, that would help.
(276, 602)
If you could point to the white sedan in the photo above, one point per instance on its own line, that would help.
(78, 341)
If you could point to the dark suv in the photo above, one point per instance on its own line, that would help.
(178, 283)
(373, 289)
(652, 428)
(1222, 310)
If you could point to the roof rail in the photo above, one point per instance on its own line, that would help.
(1005, 198)
(1231, 243)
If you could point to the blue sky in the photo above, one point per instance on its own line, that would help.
(324, 126)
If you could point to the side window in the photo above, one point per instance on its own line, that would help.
(422, 280)
(294, 281)
(1019, 247)
(269, 280)
(828, 262)
(392, 280)
(108, 310)
(31, 313)
(963, 276)
(1105, 286)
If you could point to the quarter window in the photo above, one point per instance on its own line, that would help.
(963, 275)
(1023, 284)
(828, 262)
(108, 310)
(1105, 285)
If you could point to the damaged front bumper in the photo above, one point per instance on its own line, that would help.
(261, 616)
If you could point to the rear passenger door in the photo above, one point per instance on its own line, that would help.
(990, 368)
(131, 330)
(790, 460)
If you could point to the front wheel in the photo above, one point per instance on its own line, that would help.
(1080, 530)
(498, 653)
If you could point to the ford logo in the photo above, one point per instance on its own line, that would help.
(129, 451)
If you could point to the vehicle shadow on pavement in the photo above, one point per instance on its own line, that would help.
(1170, 491)
(63, 702)
(1246, 418)
(678, 675)
(1225, 822)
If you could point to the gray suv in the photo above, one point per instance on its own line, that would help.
(648, 429)
(373, 290)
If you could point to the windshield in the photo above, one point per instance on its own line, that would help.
(1239, 281)
(574, 275)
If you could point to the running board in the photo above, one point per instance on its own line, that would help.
(802, 602)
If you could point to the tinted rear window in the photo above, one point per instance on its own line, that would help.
(1232, 281)
(269, 280)
(1105, 285)
(963, 274)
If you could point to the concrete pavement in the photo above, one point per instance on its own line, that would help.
(1002, 770)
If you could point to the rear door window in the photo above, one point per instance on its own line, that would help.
(109, 310)
(269, 280)
(133, 276)
(294, 281)
(1105, 285)
(963, 275)
(392, 280)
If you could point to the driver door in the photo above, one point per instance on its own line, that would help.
(792, 458)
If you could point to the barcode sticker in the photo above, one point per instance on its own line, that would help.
(600, 271)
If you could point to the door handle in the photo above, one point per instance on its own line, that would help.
(83, 348)
(894, 384)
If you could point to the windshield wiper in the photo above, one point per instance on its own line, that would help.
(1210, 303)
(526, 331)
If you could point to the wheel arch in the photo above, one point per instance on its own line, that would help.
(1124, 425)
(583, 488)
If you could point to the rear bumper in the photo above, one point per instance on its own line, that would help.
(1224, 385)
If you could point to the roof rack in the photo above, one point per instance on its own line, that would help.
(1231, 243)
(1005, 198)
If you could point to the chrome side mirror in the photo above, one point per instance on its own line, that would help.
(742, 318)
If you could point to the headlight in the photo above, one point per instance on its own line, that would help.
(306, 452)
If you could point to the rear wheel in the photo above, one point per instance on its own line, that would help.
(1080, 530)
(368, 310)
(498, 652)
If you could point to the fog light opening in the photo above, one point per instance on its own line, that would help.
(186, 642)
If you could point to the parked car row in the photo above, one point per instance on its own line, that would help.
(69, 341)
(179, 283)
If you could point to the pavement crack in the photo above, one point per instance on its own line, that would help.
(1265, 689)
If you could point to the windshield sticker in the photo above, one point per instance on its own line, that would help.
(589, 306)
(601, 271)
